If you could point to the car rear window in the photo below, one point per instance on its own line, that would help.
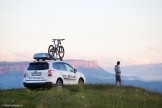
(38, 66)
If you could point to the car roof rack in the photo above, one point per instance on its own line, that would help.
(41, 57)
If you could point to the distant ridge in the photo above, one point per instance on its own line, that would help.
(13, 66)
(83, 63)
(21, 66)
(145, 72)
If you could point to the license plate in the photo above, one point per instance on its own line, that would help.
(36, 73)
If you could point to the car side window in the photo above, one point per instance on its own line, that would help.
(55, 66)
(59, 66)
(69, 68)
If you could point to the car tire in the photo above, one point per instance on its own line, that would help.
(59, 83)
(81, 81)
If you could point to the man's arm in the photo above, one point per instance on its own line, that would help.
(119, 71)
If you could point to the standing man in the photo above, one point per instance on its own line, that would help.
(117, 73)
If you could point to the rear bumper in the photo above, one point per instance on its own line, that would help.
(38, 85)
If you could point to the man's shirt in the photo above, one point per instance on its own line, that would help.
(117, 70)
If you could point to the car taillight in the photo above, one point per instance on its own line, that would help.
(24, 73)
(50, 72)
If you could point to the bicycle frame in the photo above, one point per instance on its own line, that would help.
(58, 43)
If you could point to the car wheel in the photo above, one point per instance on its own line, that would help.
(81, 81)
(59, 83)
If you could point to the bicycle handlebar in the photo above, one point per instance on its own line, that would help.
(58, 39)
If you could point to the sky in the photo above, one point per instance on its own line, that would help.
(103, 30)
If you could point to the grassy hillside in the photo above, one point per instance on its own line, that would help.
(88, 96)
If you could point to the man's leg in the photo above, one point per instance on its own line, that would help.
(120, 80)
(120, 83)
(116, 80)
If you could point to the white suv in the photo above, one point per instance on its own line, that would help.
(47, 73)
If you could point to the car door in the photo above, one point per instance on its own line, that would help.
(64, 74)
(72, 77)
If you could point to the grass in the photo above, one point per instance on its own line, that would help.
(87, 96)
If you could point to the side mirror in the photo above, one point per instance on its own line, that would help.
(75, 70)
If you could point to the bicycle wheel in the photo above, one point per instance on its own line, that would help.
(51, 49)
(55, 53)
(61, 52)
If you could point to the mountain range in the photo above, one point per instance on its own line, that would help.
(147, 72)
(11, 74)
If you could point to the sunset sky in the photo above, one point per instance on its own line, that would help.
(102, 30)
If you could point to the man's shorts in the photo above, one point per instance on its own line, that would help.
(118, 78)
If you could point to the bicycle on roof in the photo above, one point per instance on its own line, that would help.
(56, 50)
